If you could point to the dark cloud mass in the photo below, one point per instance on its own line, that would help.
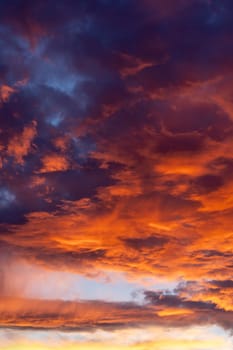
(116, 136)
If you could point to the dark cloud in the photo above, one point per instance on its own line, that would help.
(173, 300)
(208, 183)
(223, 284)
(151, 242)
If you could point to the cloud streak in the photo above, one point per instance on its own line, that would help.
(158, 310)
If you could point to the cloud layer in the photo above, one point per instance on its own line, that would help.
(116, 136)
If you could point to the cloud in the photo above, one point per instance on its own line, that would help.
(63, 315)
(20, 145)
(54, 162)
(159, 310)
(6, 92)
(116, 154)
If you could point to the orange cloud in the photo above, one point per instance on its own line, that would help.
(20, 145)
(148, 118)
(26, 313)
(54, 162)
(93, 315)
(132, 65)
(5, 92)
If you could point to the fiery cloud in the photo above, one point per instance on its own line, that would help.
(20, 145)
(116, 129)
(159, 310)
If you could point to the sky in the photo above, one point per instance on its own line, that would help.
(116, 187)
